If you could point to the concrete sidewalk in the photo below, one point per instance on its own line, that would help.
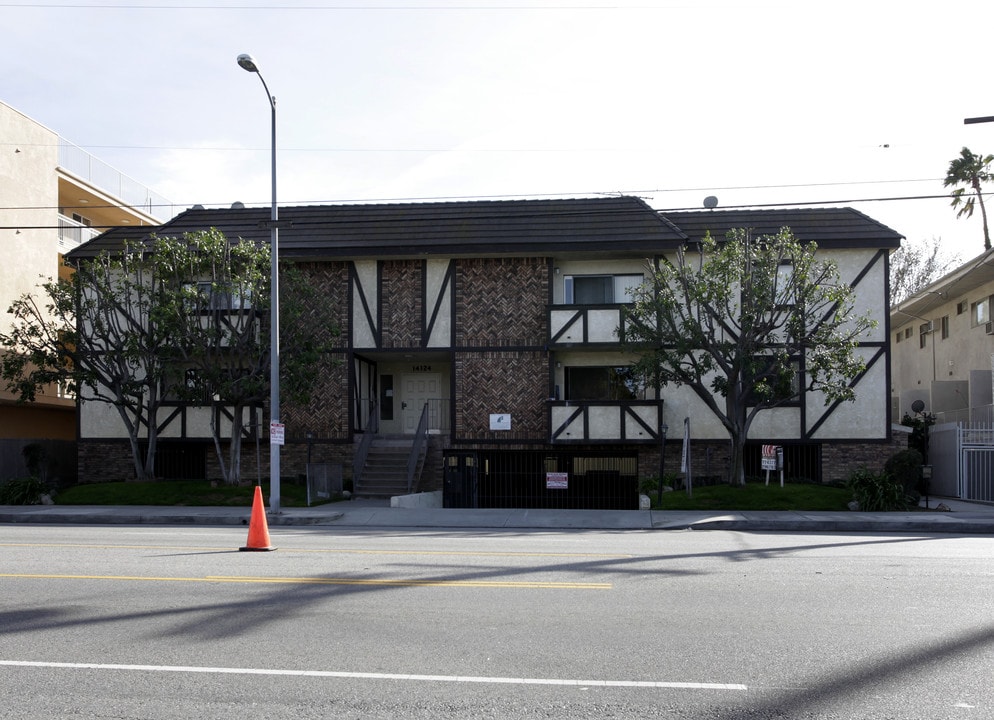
(963, 518)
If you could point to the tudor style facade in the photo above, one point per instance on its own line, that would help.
(490, 328)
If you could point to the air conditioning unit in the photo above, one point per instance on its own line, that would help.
(989, 328)
(925, 328)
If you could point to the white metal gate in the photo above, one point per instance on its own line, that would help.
(962, 459)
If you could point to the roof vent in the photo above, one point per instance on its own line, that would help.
(238, 205)
(198, 206)
(710, 202)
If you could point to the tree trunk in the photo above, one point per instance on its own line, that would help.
(235, 450)
(983, 215)
(217, 445)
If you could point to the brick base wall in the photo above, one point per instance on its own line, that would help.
(104, 461)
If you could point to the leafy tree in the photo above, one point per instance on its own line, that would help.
(968, 171)
(220, 312)
(914, 267)
(733, 322)
(98, 335)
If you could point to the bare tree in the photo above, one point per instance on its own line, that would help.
(915, 267)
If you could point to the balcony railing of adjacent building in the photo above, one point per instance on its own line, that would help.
(620, 421)
(978, 415)
(73, 233)
(98, 173)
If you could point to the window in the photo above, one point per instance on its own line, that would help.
(899, 336)
(599, 289)
(907, 333)
(961, 307)
(923, 330)
(944, 327)
(785, 291)
(210, 298)
(980, 312)
(601, 383)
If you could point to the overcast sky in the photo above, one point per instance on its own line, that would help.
(753, 102)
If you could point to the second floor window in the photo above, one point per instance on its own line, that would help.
(599, 289)
(601, 383)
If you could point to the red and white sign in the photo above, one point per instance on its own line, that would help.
(277, 433)
(556, 481)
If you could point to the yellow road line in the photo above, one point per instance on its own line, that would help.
(398, 582)
(332, 551)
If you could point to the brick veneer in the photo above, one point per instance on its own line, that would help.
(501, 382)
(402, 301)
(502, 302)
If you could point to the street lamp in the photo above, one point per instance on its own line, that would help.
(247, 62)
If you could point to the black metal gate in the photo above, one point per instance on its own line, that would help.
(541, 479)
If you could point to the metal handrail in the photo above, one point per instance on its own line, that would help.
(417, 447)
(362, 451)
(95, 171)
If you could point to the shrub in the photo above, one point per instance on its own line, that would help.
(22, 491)
(906, 468)
(876, 492)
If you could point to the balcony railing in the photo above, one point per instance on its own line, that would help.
(76, 160)
(584, 324)
(622, 421)
(72, 233)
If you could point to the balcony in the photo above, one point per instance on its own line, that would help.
(605, 421)
(96, 172)
(571, 325)
(72, 233)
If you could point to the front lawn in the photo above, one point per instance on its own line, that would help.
(176, 492)
(758, 496)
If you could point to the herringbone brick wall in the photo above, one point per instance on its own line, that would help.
(326, 415)
(502, 302)
(402, 300)
(331, 283)
(501, 382)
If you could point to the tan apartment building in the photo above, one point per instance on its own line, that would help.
(942, 341)
(55, 197)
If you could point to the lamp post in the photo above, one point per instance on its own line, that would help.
(247, 62)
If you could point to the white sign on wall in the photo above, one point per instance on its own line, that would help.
(500, 421)
(277, 433)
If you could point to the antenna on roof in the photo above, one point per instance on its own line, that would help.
(710, 202)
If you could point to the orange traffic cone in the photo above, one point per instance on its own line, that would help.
(258, 537)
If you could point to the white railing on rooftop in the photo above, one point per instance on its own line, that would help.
(98, 173)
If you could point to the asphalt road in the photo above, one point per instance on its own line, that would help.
(160, 622)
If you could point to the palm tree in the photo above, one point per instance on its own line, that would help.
(968, 171)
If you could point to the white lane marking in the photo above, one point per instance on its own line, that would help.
(377, 676)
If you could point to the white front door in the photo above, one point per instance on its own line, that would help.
(418, 389)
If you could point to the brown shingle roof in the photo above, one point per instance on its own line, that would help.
(827, 227)
(505, 227)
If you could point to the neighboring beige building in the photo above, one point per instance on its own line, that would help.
(55, 196)
(942, 345)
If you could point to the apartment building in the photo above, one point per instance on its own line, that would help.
(491, 328)
(56, 196)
